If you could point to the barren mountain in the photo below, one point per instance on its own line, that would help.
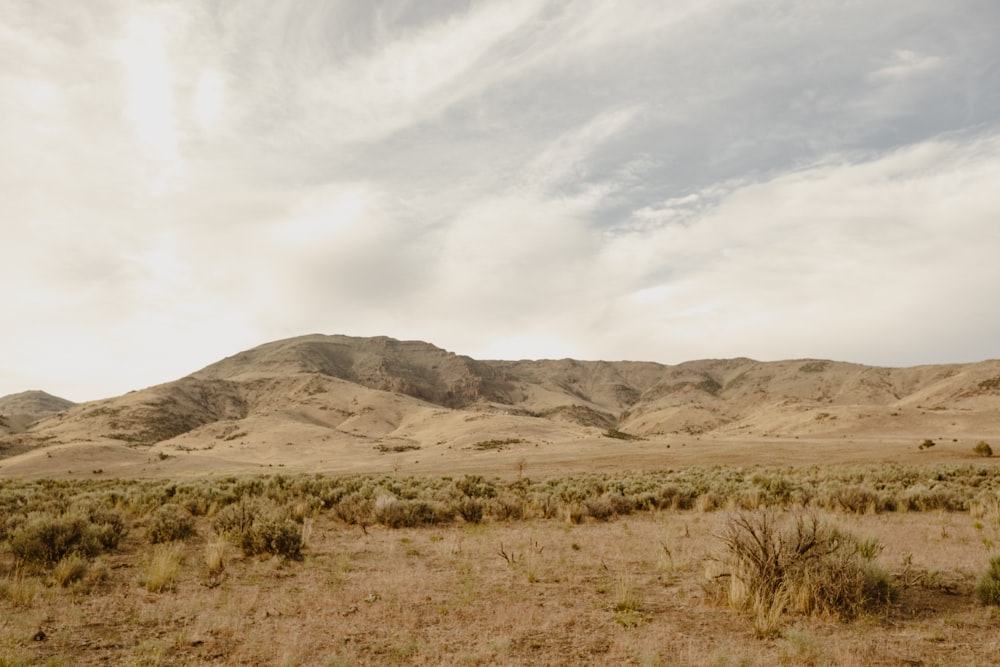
(19, 411)
(337, 402)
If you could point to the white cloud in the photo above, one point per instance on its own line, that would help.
(149, 99)
(873, 259)
(609, 179)
(905, 64)
(412, 77)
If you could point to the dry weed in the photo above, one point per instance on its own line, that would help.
(163, 568)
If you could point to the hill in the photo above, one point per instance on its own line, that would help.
(19, 411)
(341, 403)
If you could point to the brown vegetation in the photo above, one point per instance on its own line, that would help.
(396, 570)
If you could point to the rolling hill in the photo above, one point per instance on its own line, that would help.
(341, 403)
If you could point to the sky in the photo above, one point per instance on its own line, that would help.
(599, 179)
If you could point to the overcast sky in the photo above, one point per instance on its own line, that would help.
(598, 179)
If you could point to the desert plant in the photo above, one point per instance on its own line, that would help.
(600, 508)
(470, 509)
(926, 444)
(807, 566)
(988, 586)
(620, 435)
(259, 527)
(272, 534)
(44, 540)
(70, 569)
(168, 523)
(215, 557)
(163, 569)
(354, 509)
(507, 507)
(983, 448)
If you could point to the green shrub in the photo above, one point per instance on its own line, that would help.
(983, 448)
(988, 587)
(168, 523)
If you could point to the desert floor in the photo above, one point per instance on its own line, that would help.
(534, 591)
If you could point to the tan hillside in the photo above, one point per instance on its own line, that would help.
(341, 403)
(19, 411)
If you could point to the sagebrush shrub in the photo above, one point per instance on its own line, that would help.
(470, 509)
(258, 526)
(395, 513)
(507, 507)
(169, 523)
(354, 509)
(44, 540)
(804, 565)
(988, 586)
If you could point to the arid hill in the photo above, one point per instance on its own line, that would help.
(19, 411)
(343, 403)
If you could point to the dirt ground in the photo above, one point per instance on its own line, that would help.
(533, 592)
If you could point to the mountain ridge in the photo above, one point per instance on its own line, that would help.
(358, 395)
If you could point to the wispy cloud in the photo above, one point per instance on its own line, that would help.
(511, 178)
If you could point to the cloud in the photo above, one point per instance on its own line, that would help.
(608, 179)
(905, 64)
(894, 249)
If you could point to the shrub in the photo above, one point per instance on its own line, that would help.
(620, 435)
(272, 534)
(390, 511)
(600, 508)
(853, 499)
(168, 523)
(988, 587)
(676, 497)
(44, 540)
(507, 508)
(354, 509)
(395, 513)
(70, 569)
(470, 509)
(983, 448)
(259, 527)
(474, 486)
(809, 566)
(926, 444)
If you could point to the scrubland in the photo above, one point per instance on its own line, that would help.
(719, 565)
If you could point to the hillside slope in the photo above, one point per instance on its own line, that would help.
(350, 399)
(19, 411)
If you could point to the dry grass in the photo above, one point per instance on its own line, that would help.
(215, 557)
(628, 590)
(163, 569)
